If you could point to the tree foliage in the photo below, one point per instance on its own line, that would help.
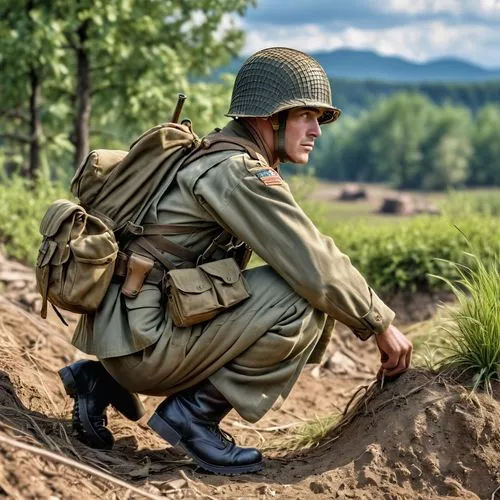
(110, 69)
(355, 96)
(414, 144)
(485, 163)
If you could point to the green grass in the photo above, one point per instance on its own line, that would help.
(474, 329)
(486, 202)
(428, 339)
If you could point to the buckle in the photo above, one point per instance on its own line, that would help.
(134, 229)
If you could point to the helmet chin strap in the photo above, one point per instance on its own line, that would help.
(278, 122)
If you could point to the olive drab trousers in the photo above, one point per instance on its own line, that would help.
(252, 353)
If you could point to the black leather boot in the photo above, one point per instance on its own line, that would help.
(93, 389)
(190, 419)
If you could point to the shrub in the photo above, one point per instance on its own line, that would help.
(22, 208)
(404, 257)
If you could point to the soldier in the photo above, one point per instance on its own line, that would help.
(249, 356)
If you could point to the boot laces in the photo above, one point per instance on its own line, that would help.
(224, 436)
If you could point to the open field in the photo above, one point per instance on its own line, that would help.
(367, 209)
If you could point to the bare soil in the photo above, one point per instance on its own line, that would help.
(418, 437)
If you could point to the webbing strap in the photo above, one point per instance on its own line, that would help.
(223, 239)
(44, 291)
(279, 127)
(166, 245)
(155, 245)
(142, 244)
(163, 229)
(151, 237)
(59, 315)
(170, 229)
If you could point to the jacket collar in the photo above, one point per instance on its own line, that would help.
(245, 130)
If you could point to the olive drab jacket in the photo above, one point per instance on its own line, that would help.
(249, 199)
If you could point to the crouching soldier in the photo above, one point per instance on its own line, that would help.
(227, 200)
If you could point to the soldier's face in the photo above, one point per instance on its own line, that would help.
(302, 128)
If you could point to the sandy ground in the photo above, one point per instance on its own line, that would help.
(419, 437)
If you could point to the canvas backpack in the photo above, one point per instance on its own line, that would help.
(81, 241)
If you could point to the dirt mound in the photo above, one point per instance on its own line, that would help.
(417, 437)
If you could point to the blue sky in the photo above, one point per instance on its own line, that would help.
(418, 30)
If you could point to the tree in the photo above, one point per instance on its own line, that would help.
(408, 141)
(117, 64)
(385, 145)
(399, 130)
(30, 56)
(485, 163)
(131, 57)
(447, 149)
(327, 158)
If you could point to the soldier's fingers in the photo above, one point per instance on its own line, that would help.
(392, 361)
(400, 368)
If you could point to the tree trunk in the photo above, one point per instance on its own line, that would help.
(35, 125)
(83, 101)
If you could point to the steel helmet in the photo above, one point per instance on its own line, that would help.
(278, 79)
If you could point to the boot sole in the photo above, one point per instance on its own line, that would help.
(168, 433)
(90, 436)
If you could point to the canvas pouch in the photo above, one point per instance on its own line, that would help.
(76, 259)
(198, 294)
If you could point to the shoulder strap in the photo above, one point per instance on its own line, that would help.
(214, 143)
(151, 237)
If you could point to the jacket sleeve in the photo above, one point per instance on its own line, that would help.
(250, 200)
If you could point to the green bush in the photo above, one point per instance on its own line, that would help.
(405, 257)
(22, 208)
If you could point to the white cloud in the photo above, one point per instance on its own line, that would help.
(480, 8)
(420, 41)
(422, 6)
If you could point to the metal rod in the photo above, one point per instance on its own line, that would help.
(178, 108)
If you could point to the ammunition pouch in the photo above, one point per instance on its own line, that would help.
(199, 294)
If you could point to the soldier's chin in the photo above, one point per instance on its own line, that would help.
(299, 159)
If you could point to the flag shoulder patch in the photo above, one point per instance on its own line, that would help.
(269, 177)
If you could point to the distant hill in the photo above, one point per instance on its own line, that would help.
(366, 65)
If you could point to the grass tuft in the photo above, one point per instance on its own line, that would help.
(474, 328)
(309, 434)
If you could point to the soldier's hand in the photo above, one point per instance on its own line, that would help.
(395, 352)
